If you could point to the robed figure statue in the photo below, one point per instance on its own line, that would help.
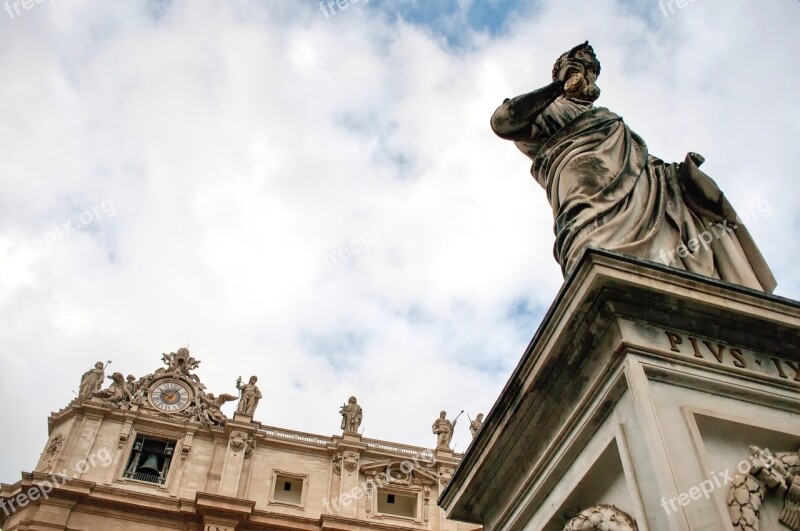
(607, 191)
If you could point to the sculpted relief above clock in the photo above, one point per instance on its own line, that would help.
(173, 390)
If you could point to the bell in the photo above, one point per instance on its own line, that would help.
(150, 466)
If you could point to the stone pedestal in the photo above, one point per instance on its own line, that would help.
(350, 449)
(643, 388)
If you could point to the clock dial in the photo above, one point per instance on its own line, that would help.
(170, 396)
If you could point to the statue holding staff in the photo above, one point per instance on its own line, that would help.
(443, 429)
(92, 380)
(606, 190)
(475, 425)
(249, 396)
(351, 415)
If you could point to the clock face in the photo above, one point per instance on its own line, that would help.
(170, 395)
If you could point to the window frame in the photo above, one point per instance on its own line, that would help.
(303, 478)
(414, 492)
(163, 436)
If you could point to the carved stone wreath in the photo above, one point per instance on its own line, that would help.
(602, 518)
(780, 473)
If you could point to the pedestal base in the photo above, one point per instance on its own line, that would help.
(643, 389)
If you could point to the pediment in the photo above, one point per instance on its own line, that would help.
(400, 472)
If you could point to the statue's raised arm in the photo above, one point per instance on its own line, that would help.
(607, 191)
(574, 75)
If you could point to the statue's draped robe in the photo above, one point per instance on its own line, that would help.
(607, 191)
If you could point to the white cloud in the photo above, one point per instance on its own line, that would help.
(242, 143)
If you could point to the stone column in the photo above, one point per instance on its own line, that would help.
(234, 460)
(350, 449)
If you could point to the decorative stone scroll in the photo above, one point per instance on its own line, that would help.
(602, 518)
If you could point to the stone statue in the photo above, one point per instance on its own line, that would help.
(117, 393)
(92, 381)
(607, 191)
(475, 425)
(249, 397)
(206, 409)
(179, 364)
(351, 415)
(443, 429)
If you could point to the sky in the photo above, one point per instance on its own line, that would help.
(316, 197)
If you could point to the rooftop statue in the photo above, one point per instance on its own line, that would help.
(249, 396)
(92, 381)
(351, 414)
(443, 429)
(607, 191)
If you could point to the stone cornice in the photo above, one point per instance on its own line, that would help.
(266, 435)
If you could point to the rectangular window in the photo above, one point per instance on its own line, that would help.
(288, 489)
(150, 460)
(397, 504)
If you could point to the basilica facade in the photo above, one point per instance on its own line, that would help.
(157, 453)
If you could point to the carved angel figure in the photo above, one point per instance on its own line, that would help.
(116, 394)
(207, 408)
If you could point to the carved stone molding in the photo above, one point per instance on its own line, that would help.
(52, 451)
(350, 460)
(445, 475)
(602, 518)
(398, 473)
(238, 441)
(780, 473)
(426, 500)
(337, 463)
(368, 500)
(251, 445)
